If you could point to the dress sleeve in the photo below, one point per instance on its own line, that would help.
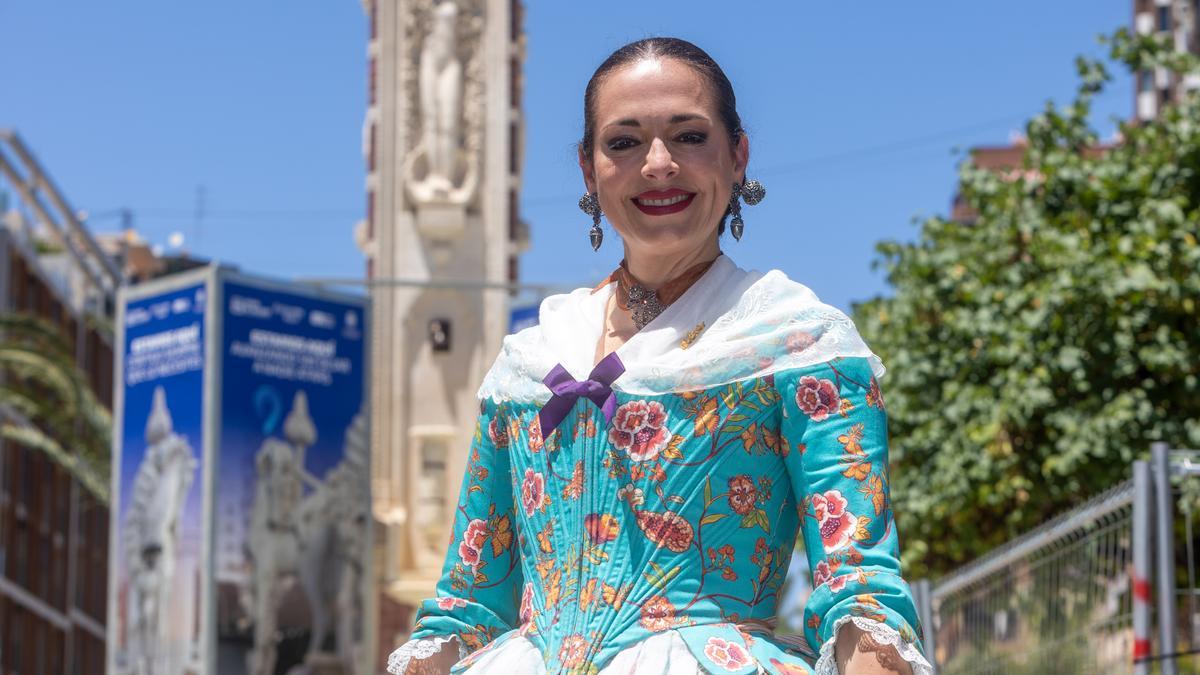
(835, 429)
(478, 595)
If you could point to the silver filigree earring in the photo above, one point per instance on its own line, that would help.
(590, 204)
(751, 192)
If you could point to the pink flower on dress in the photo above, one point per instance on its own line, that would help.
(799, 341)
(658, 614)
(822, 573)
(498, 433)
(729, 655)
(473, 540)
(638, 428)
(839, 582)
(533, 492)
(447, 604)
(817, 398)
(526, 612)
(836, 524)
(476, 534)
(469, 555)
(573, 650)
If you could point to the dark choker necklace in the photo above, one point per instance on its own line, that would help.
(645, 304)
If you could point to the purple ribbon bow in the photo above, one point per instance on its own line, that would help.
(566, 389)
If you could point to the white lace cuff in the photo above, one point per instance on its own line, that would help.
(420, 649)
(884, 635)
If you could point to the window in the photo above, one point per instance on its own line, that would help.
(1164, 18)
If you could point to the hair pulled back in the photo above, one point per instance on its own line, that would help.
(662, 48)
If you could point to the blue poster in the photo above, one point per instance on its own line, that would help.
(292, 484)
(159, 518)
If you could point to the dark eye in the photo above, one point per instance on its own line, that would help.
(692, 137)
(621, 143)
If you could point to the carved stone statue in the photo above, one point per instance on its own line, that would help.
(441, 170)
(440, 79)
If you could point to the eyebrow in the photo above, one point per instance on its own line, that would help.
(675, 119)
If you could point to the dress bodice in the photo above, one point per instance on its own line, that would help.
(748, 417)
(680, 514)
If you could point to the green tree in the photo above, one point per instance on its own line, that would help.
(1037, 350)
(46, 404)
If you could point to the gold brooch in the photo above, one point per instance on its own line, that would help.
(691, 336)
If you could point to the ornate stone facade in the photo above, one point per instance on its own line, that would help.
(442, 141)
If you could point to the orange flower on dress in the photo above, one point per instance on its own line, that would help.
(574, 489)
(658, 614)
(573, 651)
(707, 418)
(536, 442)
(742, 494)
(587, 594)
(666, 529)
(601, 527)
(553, 587)
(614, 595)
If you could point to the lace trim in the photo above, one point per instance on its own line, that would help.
(420, 649)
(883, 634)
(757, 325)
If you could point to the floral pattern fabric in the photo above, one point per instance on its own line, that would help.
(681, 514)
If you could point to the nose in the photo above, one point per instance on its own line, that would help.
(659, 163)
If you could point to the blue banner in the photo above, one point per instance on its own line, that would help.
(291, 498)
(159, 519)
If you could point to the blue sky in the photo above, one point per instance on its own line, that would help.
(854, 112)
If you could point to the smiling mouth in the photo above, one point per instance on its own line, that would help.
(663, 203)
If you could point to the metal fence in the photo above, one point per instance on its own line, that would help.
(1078, 595)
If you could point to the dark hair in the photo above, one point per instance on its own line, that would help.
(662, 48)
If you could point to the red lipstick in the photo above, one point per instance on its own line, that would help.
(663, 202)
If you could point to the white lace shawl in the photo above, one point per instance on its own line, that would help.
(745, 324)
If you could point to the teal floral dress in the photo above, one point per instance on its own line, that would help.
(675, 515)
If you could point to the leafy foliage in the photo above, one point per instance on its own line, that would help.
(1039, 349)
(45, 402)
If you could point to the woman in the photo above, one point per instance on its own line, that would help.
(647, 455)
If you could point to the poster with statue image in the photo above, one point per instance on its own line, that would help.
(239, 539)
(156, 547)
(291, 509)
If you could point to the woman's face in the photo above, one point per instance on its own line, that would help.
(663, 164)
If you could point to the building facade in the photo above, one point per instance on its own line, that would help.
(53, 531)
(1178, 21)
(443, 143)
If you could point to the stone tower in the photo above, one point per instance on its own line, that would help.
(442, 141)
